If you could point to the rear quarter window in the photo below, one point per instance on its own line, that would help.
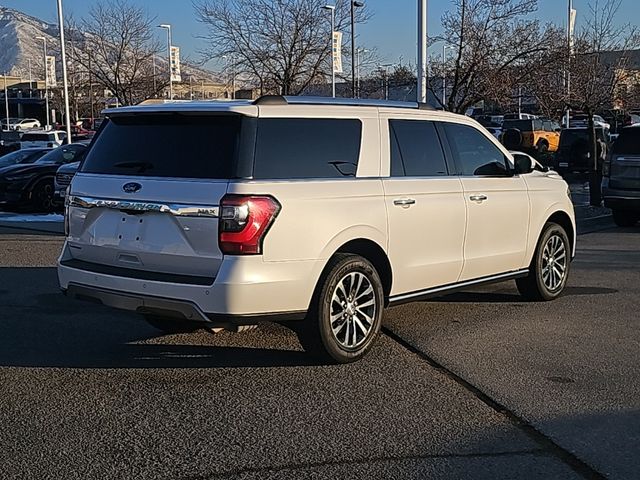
(307, 148)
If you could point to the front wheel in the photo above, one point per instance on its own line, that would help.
(549, 268)
(42, 196)
(346, 311)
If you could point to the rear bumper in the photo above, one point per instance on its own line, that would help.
(179, 309)
(244, 291)
(620, 199)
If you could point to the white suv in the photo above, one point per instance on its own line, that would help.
(305, 210)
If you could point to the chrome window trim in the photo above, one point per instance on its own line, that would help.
(176, 209)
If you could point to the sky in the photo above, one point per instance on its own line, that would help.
(392, 30)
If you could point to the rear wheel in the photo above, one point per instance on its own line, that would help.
(625, 218)
(549, 268)
(346, 311)
(42, 196)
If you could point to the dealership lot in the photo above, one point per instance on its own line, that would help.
(474, 384)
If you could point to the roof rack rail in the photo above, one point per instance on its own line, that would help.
(350, 102)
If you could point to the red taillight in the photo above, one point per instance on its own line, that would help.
(244, 221)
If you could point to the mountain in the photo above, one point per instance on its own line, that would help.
(19, 44)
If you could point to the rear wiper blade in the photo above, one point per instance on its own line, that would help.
(141, 166)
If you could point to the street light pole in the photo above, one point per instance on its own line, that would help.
(444, 74)
(65, 82)
(332, 8)
(569, 48)
(167, 27)
(6, 100)
(155, 84)
(358, 52)
(30, 81)
(354, 4)
(422, 51)
(46, 83)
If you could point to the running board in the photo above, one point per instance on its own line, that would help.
(454, 287)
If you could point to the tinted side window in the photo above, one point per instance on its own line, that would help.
(415, 149)
(474, 152)
(307, 148)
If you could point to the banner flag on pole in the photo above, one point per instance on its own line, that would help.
(572, 28)
(337, 52)
(175, 64)
(50, 79)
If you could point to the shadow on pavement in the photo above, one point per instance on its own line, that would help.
(500, 297)
(40, 327)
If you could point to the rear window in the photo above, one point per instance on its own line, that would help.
(307, 148)
(628, 143)
(36, 137)
(167, 145)
(522, 125)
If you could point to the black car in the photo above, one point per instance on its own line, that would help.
(25, 155)
(64, 175)
(574, 152)
(621, 178)
(32, 185)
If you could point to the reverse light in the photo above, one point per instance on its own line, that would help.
(244, 222)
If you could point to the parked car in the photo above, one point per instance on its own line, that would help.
(393, 203)
(63, 178)
(5, 122)
(23, 124)
(9, 141)
(50, 139)
(519, 116)
(582, 121)
(31, 185)
(621, 178)
(539, 135)
(22, 156)
(573, 153)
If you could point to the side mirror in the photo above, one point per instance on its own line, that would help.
(523, 164)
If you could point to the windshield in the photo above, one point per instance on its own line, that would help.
(37, 137)
(21, 156)
(66, 154)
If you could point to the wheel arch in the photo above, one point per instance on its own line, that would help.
(564, 220)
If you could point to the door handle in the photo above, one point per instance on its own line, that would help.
(404, 202)
(478, 198)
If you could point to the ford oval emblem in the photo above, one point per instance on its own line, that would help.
(132, 187)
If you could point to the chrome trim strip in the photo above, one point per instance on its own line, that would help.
(176, 209)
(454, 286)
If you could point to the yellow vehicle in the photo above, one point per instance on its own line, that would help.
(537, 135)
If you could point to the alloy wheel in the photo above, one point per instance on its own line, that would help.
(353, 310)
(554, 263)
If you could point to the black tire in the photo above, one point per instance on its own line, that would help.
(512, 139)
(316, 333)
(543, 148)
(540, 284)
(625, 218)
(172, 325)
(42, 199)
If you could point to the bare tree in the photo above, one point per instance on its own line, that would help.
(493, 42)
(282, 45)
(117, 48)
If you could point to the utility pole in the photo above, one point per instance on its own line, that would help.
(64, 72)
(444, 74)
(91, 91)
(422, 51)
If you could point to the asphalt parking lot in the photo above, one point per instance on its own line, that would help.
(474, 385)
